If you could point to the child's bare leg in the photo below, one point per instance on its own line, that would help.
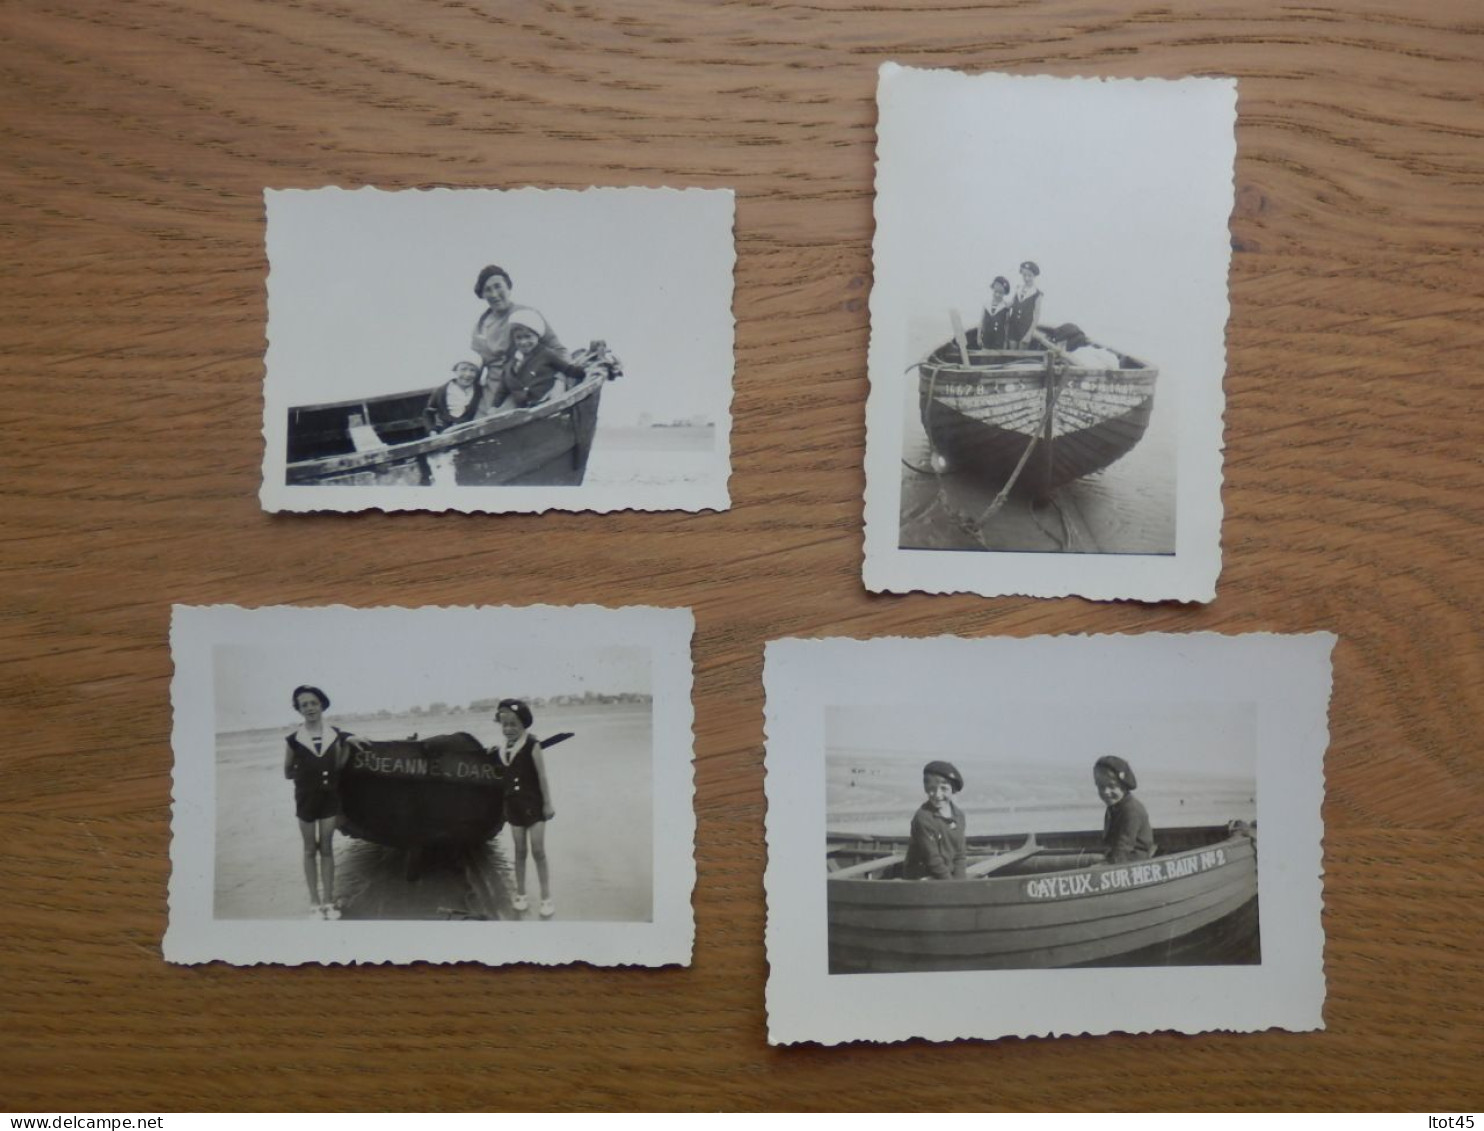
(520, 859)
(538, 850)
(311, 868)
(327, 858)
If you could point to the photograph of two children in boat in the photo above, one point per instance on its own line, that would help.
(1041, 836)
(1053, 858)
(1047, 335)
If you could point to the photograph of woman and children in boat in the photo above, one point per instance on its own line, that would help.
(499, 767)
(1045, 852)
(1047, 333)
(571, 349)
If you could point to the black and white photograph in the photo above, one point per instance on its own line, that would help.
(498, 350)
(501, 784)
(971, 835)
(1047, 335)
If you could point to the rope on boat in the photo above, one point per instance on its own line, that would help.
(974, 527)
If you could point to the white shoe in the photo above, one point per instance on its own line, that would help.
(520, 902)
(548, 909)
(317, 911)
(332, 911)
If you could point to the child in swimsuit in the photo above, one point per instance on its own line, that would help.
(314, 755)
(527, 799)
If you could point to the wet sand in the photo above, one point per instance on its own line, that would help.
(599, 845)
(1128, 508)
(645, 456)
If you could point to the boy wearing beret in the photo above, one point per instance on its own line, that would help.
(937, 850)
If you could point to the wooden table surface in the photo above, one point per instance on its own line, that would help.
(138, 137)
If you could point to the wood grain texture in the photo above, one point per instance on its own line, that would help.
(137, 139)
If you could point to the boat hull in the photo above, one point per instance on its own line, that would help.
(386, 443)
(1023, 410)
(1195, 906)
(439, 791)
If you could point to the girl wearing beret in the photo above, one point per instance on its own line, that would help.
(1127, 833)
(313, 757)
(937, 850)
(994, 323)
(527, 799)
(1025, 309)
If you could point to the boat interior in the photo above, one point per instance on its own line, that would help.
(882, 858)
(318, 431)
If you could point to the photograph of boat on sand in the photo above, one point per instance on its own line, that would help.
(499, 785)
(1048, 322)
(489, 350)
(1044, 836)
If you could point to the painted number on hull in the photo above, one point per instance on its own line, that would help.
(1130, 876)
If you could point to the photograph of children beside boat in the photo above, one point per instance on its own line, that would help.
(443, 766)
(1064, 857)
(492, 350)
(1048, 312)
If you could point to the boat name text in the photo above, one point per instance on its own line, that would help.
(1128, 876)
(458, 770)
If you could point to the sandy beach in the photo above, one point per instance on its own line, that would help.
(653, 456)
(600, 844)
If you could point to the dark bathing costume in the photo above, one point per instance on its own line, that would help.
(317, 776)
(524, 804)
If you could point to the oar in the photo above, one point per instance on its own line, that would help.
(548, 743)
(959, 336)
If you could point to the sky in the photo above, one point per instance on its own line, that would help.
(371, 292)
(1119, 190)
(253, 682)
(1070, 732)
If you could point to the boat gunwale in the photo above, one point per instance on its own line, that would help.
(454, 437)
(970, 885)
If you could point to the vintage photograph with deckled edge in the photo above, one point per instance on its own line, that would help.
(503, 785)
(1047, 335)
(985, 854)
(489, 350)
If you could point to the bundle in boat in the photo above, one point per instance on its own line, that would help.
(1033, 414)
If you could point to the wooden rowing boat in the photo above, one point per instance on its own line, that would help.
(1031, 413)
(415, 793)
(1046, 901)
(385, 441)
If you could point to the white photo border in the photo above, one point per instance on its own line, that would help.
(194, 935)
(1204, 200)
(601, 233)
(1287, 677)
